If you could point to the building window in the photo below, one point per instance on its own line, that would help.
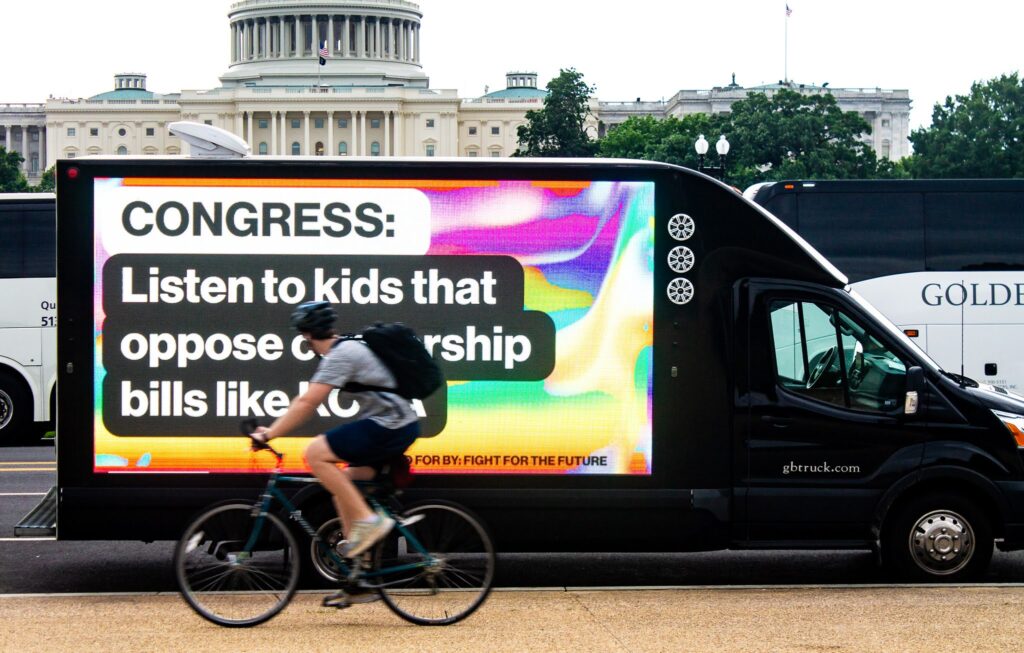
(263, 148)
(33, 165)
(343, 149)
(263, 123)
(495, 154)
(885, 122)
(430, 122)
(71, 131)
(296, 123)
(93, 131)
(472, 131)
(318, 123)
(374, 123)
(430, 150)
(471, 153)
(886, 149)
(375, 149)
(150, 131)
(208, 122)
(495, 131)
(122, 151)
(343, 123)
(122, 132)
(69, 155)
(295, 149)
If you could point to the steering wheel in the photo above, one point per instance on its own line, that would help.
(823, 364)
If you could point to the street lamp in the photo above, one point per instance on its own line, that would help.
(722, 147)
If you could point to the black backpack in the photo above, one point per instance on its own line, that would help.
(403, 353)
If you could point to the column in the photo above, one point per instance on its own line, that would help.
(248, 116)
(305, 124)
(416, 33)
(231, 49)
(331, 149)
(284, 133)
(387, 134)
(24, 148)
(331, 44)
(273, 133)
(7, 137)
(345, 45)
(286, 39)
(362, 133)
(353, 132)
(42, 148)
(379, 48)
(298, 37)
(399, 135)
(314, 37)
(238, 123)
(361, 37)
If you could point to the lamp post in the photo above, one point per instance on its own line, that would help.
(722, 147)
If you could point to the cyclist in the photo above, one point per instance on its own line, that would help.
(385, 428)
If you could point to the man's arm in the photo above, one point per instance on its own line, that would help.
(300, 410)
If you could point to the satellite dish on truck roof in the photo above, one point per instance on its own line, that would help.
(209, 141)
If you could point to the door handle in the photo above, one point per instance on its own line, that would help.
(777, 422)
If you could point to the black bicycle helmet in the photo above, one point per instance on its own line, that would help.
(315, 318)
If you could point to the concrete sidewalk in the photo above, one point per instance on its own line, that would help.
(716, 620)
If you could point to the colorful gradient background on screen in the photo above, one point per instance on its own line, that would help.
(586, 249)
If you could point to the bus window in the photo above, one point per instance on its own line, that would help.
(859, 235)
(27, 241)
(975, 231)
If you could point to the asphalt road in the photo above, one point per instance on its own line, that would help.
(26, 473)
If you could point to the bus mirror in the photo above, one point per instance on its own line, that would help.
(915, 384)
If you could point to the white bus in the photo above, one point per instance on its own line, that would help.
(28, 314)
(943, 259)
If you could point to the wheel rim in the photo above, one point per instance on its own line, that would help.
(942, 542)
(227, 585)
(459, 579)
(6, 409)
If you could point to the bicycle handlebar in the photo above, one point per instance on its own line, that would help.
(249, 426)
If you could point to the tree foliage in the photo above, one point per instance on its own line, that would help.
(788, 135)
(559, 129)
(976, 135)
(47, 183)
(12, 180)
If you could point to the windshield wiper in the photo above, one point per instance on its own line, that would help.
(960, 379)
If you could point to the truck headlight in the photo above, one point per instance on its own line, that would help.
(1014, 424)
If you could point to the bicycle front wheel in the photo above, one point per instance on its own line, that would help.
(438, 567)
(235, 569)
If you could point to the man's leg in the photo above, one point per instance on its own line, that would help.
(347, 499)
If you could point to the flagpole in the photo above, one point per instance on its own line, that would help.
(785, 50)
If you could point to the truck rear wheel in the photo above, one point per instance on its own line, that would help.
(15, 410)
(942, 537)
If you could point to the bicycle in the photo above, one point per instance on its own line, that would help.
(238, 563)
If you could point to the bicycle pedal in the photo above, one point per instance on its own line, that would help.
(339, 601)
(411, 519)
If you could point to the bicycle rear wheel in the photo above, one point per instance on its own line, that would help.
(449, 560)
(231, 576)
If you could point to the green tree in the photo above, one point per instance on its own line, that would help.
(976, 135)
(47, 183)
(12, 180)
(795, 136)
(670, 140)
(559, 129)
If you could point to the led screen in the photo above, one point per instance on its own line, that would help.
(535, 296)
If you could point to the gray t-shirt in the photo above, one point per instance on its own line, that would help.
(352, 361)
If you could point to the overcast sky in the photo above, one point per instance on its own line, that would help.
(639, 48)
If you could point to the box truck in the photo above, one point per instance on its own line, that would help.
(637, 357)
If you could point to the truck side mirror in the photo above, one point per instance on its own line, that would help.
(915, 384)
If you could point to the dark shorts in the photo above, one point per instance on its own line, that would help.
(365, 443)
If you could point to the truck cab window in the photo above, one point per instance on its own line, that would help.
(823, 354)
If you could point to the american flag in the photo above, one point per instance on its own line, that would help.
(324, 53)
(789, 12)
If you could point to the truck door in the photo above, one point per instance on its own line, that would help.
(826, 434)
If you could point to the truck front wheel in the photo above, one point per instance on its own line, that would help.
(942, 537)
(15, 410)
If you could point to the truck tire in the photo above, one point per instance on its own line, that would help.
(15, 410)
(943, 537)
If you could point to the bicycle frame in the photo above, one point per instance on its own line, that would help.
(272, 493)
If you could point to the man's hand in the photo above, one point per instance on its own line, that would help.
(261, 435)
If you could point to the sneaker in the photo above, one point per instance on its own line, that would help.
(367, 532)
(356, 595)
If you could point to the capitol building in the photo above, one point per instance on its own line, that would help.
(370, 98)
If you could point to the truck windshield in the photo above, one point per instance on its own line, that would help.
(895, 332)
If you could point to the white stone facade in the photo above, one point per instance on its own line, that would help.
(370, 98)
